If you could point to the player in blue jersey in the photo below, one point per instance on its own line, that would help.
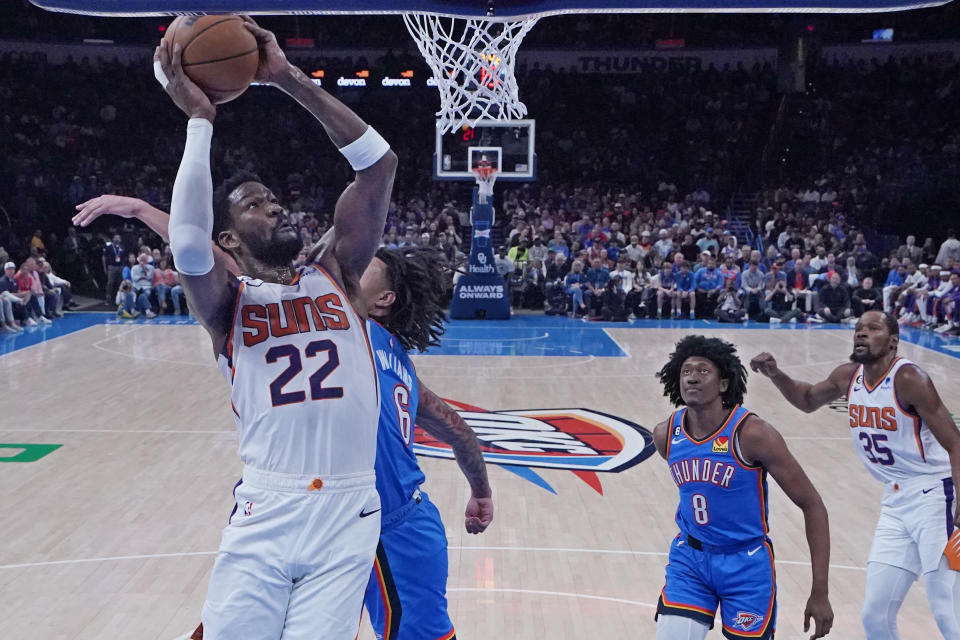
(406, 595)
(402, 289)
(719, 455)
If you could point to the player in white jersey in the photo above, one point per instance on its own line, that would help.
(296, 555)
(907, 439)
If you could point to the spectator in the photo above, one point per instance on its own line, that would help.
(613, 308)
(113, 253)
(533, 290)
(910, 250)
(19, 299)
(575, 284)
(636, 297)
(33, 302)
(778, 303)
(752, 288)
(708, 282)
(852, 274)
(708, 242)
(519, 255)
(951, 306)
(833, 301)
(597, 276)
(894, 284)
(141, 278)
(930, 298)
(729, 307)
(686, 290)
(915, 281)
(37, 248)
(667, 290)
(538, 251)
(688, 248)
(50, 296)
(949, 250)
(634, 251)
(503, 263)
(166, 282)
(866, 297)
(664, 245)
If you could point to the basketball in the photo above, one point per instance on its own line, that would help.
(218, 53)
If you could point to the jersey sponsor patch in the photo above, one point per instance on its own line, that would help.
(579, 440)
(721, 444)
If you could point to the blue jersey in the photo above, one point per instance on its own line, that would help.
(723, 501)
(398, 474)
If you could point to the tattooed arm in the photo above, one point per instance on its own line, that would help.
(442, 422)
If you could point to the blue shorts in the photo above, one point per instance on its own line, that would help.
(407, 593)
(743, 583)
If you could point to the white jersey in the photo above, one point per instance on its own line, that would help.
(304, 386)
(893, 442)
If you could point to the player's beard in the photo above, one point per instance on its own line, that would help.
(867, 357)
(280, 250)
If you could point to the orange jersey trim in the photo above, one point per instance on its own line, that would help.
(670, 434)
(868, 387)
(713, 433)
(917, 422)
(688, 607)
(386, 600)
(448, 636)
(233, 325)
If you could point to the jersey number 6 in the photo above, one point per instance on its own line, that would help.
(317, 390)
(401, 398)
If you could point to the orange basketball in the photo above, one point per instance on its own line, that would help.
(218, 53)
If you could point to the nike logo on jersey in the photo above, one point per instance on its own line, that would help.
(926, 491)
(677, 440)
(750, 553)
(364, 514)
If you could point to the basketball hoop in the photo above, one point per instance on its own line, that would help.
(486, 175)
(473, 65)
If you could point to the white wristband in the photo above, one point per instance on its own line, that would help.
(366, 150)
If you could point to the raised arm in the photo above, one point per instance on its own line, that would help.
(761, 444)
(208, 284)
(444, 423)
(157, 220)
(916, 391)
(803, 395)
(361, 211)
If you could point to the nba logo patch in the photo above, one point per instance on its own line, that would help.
(247, 508)
(746, 620)
(721, 444)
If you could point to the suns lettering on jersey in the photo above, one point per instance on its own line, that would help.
(298, 315)
(872, 417)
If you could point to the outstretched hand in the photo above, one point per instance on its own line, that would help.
(273, 61)
(184, 92)
(479, 514)
(106, 205)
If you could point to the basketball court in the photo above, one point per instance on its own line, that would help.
(113, 533)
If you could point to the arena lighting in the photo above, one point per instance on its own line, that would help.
(162, 28)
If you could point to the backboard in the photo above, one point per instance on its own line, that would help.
(507, 144)
(486, 9)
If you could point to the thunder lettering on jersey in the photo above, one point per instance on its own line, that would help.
(303, 384)
(723, 500)
(892, 440)
(398, 474)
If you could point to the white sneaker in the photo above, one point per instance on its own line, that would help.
(775, 320)
(793, 320)
(30, 322)
(45, 320)
(943, 328)
(150, 314)
(816, 318)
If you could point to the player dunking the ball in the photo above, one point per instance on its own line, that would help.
(406, 594)
(719, 455)
(296, 555)
(906, 439)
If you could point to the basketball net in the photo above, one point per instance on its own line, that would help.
(486, 175)
(472, 60)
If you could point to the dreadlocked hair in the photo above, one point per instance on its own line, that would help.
(720, 352)
(421, 278)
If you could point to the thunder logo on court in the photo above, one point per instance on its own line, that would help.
(579, 440)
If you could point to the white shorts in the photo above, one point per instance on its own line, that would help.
(294, 562)
(915, 521)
